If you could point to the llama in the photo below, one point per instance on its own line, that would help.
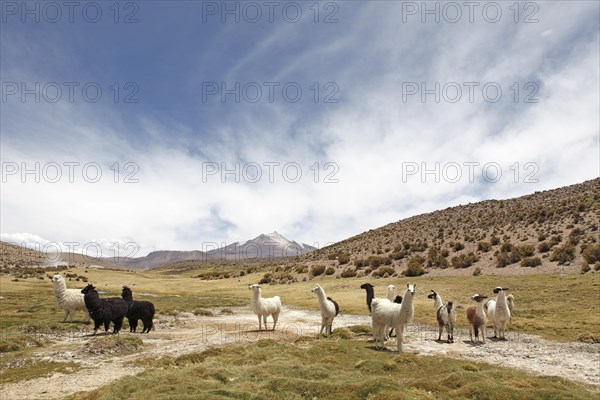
(370, 289)
(103, 311)
(143, 310)
(499, 312)
(70, 300)
(445, 314)
(390, 293)
(329, 309)
(476, 317)
(370, 293)
(264, 307)
(386, 313)
(510, 300)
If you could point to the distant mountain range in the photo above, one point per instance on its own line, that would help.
(271, 245)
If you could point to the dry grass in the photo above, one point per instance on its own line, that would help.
(334, 368)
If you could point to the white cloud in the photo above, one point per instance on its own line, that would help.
(369, 134)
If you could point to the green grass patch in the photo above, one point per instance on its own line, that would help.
(331, 369)
(21, 369)
(113, 345)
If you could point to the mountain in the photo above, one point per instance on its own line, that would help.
(272, 245)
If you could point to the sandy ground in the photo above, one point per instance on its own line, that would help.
(187, 333)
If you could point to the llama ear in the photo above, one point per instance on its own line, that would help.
(505, 288)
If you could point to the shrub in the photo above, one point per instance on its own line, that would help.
(435, 258)
(544, 247)
(526, 250)
(317, 270)
(301, 269)
(464, 260)
(348, 273)
(506, 247)
(458, 246)
(531, 262)
(502, 260)
(375, 261)
(343, 258)
(575, 236)
(563, 254)
(484, 246)
(585, 267)
(477, 271)
(415, 266)
(591, 254)
(554, 240)
(494, 241)
(265, 279)
(330, 271)
(381, 272)
(418, 247)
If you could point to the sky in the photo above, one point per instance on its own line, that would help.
(151, 125)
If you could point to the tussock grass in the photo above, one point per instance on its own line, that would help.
(331, 369)
(29, 368)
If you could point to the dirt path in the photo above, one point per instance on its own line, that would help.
(187, 333)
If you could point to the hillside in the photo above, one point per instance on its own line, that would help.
(551, 228)
(22, 262)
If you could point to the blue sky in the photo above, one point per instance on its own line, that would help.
(360, 119)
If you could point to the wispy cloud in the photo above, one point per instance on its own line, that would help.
(373, 136)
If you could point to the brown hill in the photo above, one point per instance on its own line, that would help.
(23, 262)
(554, 230)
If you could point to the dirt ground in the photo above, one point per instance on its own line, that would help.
(187, 333)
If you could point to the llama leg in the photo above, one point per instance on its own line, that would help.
(150, 325)
(471, 332)
(441, 328)
(87, 316)
(260, 322)
(399, 338)
(265, 322)
(66, 315)
(483, 333)
(275, 318)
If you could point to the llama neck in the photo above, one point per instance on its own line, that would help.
(501, 303)
(480, 313)
(322, 298)
(390, 294)
(60, 286)
(256, 297)
(501, 298)
(438, 302)
(406, 308)
(370, 296)
(92, 301)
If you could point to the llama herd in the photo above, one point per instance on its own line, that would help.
(103, 311)
(393, 312)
